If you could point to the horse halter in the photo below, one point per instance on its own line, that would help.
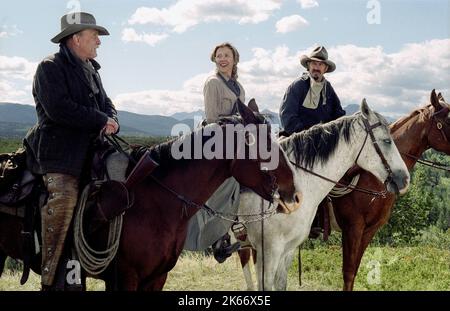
(273, 186)
(439, 122)
(369, 132)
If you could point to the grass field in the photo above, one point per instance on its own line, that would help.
(383, 268)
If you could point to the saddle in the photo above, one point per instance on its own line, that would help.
(322, 220)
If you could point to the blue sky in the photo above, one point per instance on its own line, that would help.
(395, 63)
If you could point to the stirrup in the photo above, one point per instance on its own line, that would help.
(240, 233)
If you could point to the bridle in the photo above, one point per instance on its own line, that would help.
(369, 132)
(273, 179)
(439, 127)
(439, 122)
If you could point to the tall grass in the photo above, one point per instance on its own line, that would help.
(383, 268)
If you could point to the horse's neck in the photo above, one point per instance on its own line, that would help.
(343, 158)
(411, 138)
(198, 180)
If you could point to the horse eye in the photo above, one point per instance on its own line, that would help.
(387, 141)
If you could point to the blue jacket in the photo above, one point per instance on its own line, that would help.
(296, 118)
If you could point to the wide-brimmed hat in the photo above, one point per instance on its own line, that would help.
(74, 22)
(319, 54)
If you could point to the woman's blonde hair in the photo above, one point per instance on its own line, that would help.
(234, 74)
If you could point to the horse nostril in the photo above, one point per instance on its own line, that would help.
(405, 181)
(297, 198)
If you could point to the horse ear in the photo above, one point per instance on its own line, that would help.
(247, 115)
(365, 110)
(441, 98)
(253, 106)
(434, 100)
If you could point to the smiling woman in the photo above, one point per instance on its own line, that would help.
(222, 93)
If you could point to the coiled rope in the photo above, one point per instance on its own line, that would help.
(94, 261)
(338, 191)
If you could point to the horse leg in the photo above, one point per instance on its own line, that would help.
(153, 284)
(127, 280)
(365, 241)
(244, 256)
(351, 241)
(269, 264)
(282, 271)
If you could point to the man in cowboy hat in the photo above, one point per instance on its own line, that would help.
(72, 109)
(310, 99)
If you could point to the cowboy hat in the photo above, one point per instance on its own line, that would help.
(74, 22)
(319, 54)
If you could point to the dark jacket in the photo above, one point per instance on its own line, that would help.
(296, 118)
(69, 115)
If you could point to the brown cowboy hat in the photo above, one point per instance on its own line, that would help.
(319, 54)
(74, 22)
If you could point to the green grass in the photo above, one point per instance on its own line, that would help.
(402, 268)
(9, 145)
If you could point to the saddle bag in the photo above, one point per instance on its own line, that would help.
(12, 166)
(16, 182)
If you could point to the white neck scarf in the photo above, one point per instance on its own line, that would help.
(312, 99)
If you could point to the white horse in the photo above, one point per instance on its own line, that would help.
(329, 150)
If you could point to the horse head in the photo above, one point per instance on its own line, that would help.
(266, 170)
(379, 155)
(439, 133)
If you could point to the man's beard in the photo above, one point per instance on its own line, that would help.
(316, 75)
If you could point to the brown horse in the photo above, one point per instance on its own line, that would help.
(154, 228)
(359, 219)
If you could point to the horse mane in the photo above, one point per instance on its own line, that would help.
(319, 142)
(162, 153)
(421, 113)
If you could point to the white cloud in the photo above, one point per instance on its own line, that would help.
(165, 102)
(130, 35)
(291, 23)
(9, 93)
(185, 14)
(16, 74)
(308, 4)
(7, 31)
(16, 68)
(393, 83)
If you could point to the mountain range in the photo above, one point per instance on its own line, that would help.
(16, 119)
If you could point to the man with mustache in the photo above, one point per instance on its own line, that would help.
(72, 109)
(311, 100)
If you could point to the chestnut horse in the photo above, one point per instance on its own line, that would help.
(359, 219)
(326, 150)
(154, 228)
